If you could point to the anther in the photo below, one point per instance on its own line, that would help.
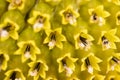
(90, 69)
(118, 17)
(8, 27)
(14, 3)
(52, 39)
(84, 41)
(105, 42)
(13, 76)
(17, 2)
(112, 79)
(39, 22)
(67, 69)
(64, 62)
(116, 59)
(94, 15)
(27, 51)
(1, 60)
(37, 67)
(70, 17)
(35, 70)
(87, 62)
(4, 32)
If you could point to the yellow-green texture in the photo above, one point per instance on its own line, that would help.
(59, 40)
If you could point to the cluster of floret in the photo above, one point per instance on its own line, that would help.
(59, 39)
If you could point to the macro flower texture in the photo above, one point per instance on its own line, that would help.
(59, 39)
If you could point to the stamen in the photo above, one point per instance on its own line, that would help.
(112, 79)
(40, 19)
(116, 59)
(53, 39)
(70, 17)
(1, 60)
(3, 33)
(90, 69)
(84, 41)
(100, 21)
(17, 2)
(64, 62)
(97, 19)
(18, 79)
(8, 27)
(94, 16)
(13, 76)
(68, 70)
(87, 62)
(14, 3)
(39, 22)
(35, 70)
(118, 17)
(105, 42)
(113, 67)
(37, 25)
(27, 52)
